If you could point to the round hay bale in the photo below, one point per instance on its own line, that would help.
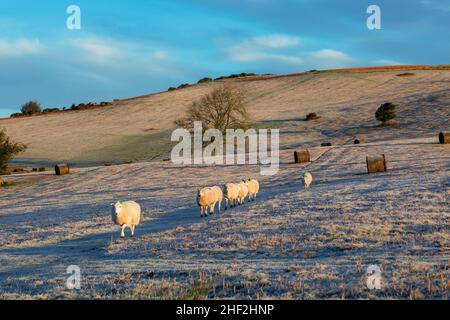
(376, 164)
(326, 144)
(360, 140)
(302, 156)
(444, 137)
(62, 169)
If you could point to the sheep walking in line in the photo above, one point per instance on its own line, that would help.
(307, 180)
(253, 189)
(205, 200)
(243, 193)
(218, 198)
(126, 214)
(231, 195)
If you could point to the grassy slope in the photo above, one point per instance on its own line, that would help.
(139, 128)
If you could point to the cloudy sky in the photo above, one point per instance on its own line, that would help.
(134, 47)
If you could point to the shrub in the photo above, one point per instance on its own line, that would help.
(8, 149)
(50, 110)
(223, 108)
(385, 112)
(171, 89)
(31, 108)
(312, 116)
(16, 115)
(205, 80)
(184, 85)
(232, 76)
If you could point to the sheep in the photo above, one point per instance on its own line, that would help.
(307, 180)
(218, 197)
(126, 214)
(205, 200)
(243, 193)
(231, 194)
(253, 189)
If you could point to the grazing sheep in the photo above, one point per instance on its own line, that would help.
(231, 194)
(243, 192)
(205, 200)
(126, 214)
(218, 197)
(307, 180)
(253, 189)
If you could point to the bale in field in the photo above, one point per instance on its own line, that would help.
(307, 180)
(231, 195)
(302, 156)
(376, 164)
(253, 189)
(243, 192)
(126, 214)
(62, 169)
(359, 140)
(444, 137)
(205, 200)
(218, 197)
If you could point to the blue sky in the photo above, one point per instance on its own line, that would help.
(134, 47)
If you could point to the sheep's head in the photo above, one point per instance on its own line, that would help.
(117, 208)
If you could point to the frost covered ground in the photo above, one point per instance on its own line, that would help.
(291, 243)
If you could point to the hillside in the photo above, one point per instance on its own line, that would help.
(290, 243)
(139, 128)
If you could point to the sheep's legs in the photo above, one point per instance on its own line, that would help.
(122, 234)
(132, 230)
(212, 208)
(220, 206)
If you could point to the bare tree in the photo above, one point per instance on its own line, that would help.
(223, 108)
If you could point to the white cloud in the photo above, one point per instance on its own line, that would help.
(265, 48)
(98, 50)
(159, 55)
(273, 41)
(21, 46)
(329, 58)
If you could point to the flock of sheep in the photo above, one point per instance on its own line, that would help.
(127, 214)
(233, 193)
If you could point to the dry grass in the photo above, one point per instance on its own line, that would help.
(290, 244)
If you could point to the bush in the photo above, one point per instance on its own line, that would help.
(205, 80)
(50, 110)
(8, 149)
(31, 108)
(171, 89)
(184, 85)
(16, 115)
(385, 112)
(223, 108)
(233, 76)
(312, 116)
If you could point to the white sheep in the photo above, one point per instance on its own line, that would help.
(126, 214)
(307, 180)
(218, 197)
(205, 200)
(231, 195)
(243, 192)
(253, 189)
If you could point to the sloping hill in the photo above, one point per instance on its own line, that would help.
(139, 128)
